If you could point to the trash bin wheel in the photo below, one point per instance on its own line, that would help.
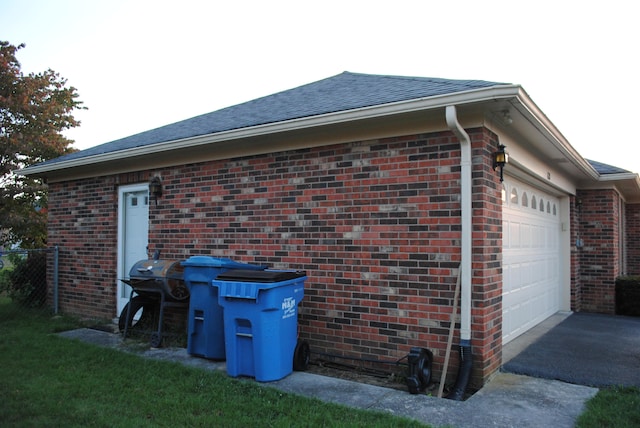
(138, 302)
(156, 340)
(301, 356)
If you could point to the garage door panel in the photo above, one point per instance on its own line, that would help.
(514, 228)
(531, 258)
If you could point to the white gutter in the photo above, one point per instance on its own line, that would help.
(466, 226)
(631, 176)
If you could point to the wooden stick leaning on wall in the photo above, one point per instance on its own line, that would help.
(454, 312)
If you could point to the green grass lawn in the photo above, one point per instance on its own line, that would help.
(612, 407)
(46, 380)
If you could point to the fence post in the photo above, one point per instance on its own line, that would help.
(55, 280)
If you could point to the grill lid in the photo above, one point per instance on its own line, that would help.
(150, 277)
(157, 269)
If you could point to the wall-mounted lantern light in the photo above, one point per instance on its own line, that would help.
(500, 159)
(155, 188)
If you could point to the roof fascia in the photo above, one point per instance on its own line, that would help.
(553, 134)
(627, 184)
(620, 177)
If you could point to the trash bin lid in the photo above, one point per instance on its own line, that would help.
(207, 261)
(243, 275)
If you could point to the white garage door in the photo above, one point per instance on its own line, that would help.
(531, 258)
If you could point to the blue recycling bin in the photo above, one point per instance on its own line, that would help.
(205, 321)
(260, 321)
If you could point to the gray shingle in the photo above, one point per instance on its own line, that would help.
(346, 91)
(604, 169)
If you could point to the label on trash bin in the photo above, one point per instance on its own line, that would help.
(288, 307)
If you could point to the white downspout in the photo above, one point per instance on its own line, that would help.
(466, 226)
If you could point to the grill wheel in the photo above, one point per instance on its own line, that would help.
(148, 314)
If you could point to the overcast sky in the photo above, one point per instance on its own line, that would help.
(138, 65)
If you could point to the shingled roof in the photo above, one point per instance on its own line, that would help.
(345, 91)
(604, 169)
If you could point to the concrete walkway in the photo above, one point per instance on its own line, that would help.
(508, 400)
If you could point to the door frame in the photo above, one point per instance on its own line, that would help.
(121, 273)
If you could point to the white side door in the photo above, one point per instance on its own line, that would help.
(133, 234)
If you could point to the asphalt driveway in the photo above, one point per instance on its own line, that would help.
(585, 349)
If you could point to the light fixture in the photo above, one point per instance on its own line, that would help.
(500, 159)
(155, 188)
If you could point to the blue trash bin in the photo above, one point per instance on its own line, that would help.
(260, 321)
(205, 323)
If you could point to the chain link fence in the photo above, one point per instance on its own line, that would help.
(29, 280)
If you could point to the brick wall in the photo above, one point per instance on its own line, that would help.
(83, 223)
(599, 220)
(376, 225)
(487, 259)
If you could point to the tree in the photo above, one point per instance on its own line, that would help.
(34, 110)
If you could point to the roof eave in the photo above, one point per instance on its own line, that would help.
(628, 183)
(554, 136)
(621, 176)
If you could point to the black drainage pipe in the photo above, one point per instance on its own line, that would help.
(464, 373)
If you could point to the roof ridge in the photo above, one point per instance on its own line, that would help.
(419, 78)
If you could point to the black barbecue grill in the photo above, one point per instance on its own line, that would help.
(155, 284)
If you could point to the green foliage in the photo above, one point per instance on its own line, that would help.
(34, 110)
(613, 407)
(26, 282)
